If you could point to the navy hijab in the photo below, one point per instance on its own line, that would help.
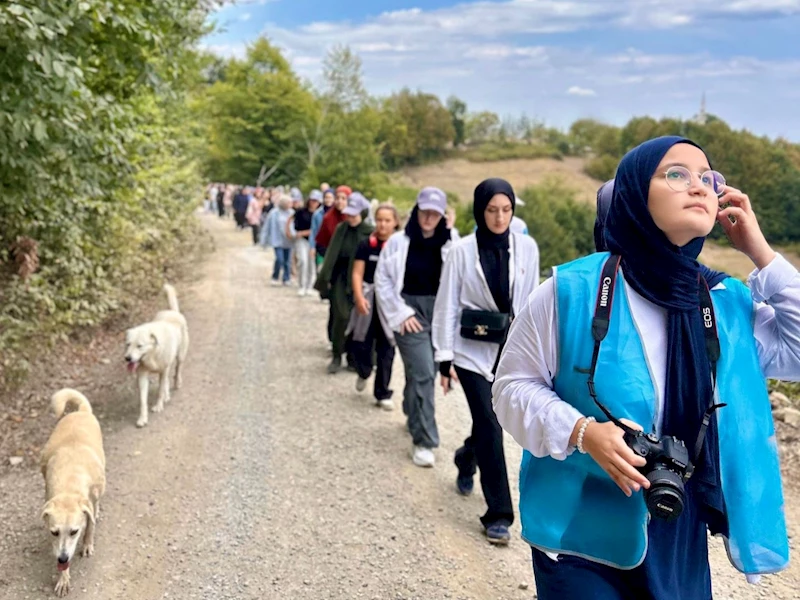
(670, 277)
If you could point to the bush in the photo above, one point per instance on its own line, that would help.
(96, 159)
(561, 225)
(401, 196)
(601, 167)
(492, 152)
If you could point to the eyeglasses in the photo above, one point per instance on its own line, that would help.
(679, 179)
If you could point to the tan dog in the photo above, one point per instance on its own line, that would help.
(156, 347)
(74, 468)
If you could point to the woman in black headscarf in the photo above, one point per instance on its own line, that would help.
(486, 279)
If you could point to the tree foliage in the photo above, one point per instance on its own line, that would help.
(415, 129)
(96, 153)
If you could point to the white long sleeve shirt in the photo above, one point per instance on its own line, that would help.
(528, 408)
(463, 286)
(389, 280)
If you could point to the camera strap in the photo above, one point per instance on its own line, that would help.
(600, 324)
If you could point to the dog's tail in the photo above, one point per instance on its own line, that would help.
(172, 297)
(63, 398)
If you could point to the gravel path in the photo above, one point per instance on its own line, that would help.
(267, 478)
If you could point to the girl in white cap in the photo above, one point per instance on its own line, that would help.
(406, 282)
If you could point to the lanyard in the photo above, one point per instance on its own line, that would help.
(602, 318)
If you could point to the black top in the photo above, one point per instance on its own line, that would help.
(424, 262)
(302, 220)
(423, 269)
(369, 250)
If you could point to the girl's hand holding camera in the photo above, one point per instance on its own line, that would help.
(605, 444)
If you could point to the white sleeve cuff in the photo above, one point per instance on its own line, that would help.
(772, 279)
(559, 423)
(443, 356)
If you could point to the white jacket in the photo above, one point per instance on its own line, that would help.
(389, 278)
(464, 286)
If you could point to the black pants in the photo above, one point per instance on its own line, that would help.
(256, 230)
(676, 566)
(484, 449)
(384, 351)
(240, 220)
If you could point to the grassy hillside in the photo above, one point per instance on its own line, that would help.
(460, 176)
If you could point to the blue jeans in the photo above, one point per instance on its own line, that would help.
(283, 260)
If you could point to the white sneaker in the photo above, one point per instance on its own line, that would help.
(301, 292)
(361, 384)
(387, 404)
(274, 283)
(423, 457)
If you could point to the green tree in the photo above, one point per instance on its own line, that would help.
(96, 155)
(415, 129)
(345, 127)
(458, 113)
(482, 127)
(343, 79)
(255, 118)
(593, 137)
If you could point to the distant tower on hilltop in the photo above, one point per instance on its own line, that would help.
(702, 117)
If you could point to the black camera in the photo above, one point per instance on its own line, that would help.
(667, 469)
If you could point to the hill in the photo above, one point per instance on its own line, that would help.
(460, 176)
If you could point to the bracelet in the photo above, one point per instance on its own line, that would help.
(581, 431)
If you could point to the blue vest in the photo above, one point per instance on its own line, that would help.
(573, 506)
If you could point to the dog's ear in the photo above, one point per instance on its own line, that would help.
(155, 339)
(47, 509)
(86, 507)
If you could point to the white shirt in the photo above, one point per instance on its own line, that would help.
(390, 277)
(528, 408)
(463, 286)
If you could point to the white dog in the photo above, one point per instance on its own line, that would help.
(156, 347)
(73, 464)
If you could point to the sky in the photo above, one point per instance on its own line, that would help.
(552, 60)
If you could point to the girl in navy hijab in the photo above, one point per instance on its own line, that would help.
(582, 488)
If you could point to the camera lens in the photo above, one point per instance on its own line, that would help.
(664, 498)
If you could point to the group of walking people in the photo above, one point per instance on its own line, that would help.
(394, 286)
(633, 378)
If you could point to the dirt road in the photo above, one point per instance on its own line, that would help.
(267, 478)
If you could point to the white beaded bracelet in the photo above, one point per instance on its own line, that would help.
(581, 431)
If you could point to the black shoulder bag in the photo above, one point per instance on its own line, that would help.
(487, 325)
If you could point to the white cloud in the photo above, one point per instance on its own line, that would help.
(482, 52)
(576, 90)
(227, 50)
(245, 17)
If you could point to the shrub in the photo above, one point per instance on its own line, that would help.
(492, 152)
(601, 167)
